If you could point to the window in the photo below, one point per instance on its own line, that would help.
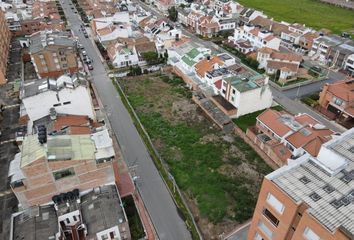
(265, 230)
(258, 237)
(273, 219)
(64, 173)
(57, 104)
(65, 65)
(233, 91)
(310, 235)
(66, 103)
(275, 203)
(223, 91)
(337, 101)
(67, 220)
(104, 237)
(75, 218)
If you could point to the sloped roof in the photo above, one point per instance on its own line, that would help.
(206, 65)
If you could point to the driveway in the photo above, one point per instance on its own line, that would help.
(155, 195)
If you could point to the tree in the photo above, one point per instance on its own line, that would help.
(173, 14)
(151, 57)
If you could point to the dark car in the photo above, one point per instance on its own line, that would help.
(87, 60)
(86, 35)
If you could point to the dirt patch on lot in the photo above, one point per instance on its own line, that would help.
(219, 174)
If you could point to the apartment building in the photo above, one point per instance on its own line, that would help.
(53, 54)
(337, 102)
(310, 199)
(65, 153)
(5, 38)
(339, 56)
(322, 47)
(257, 37)
(96, 214)
(285, 137)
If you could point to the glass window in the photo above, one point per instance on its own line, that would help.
(310, 235)
(273, 219)
(275, 203)
(265, 230)
(64, 173)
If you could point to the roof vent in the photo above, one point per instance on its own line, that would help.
(345, 201)
(336, 204)
(304, 180)
(328, 188)
(315, 197)
(346, 178)
(53, 114)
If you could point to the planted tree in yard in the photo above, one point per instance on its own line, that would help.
(172, 14)
(151, 57)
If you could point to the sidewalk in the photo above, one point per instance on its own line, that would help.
(125, 183)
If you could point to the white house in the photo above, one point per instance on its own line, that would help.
(125, 56)
(66, 95)
(349, 65)
(256, 37)
(186, 56)
(248, 93)
(272, 61)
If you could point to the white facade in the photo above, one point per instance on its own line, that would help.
(249, 101)
(126, 57)
(74, 101)
(105, 234)
(349, 65)
(256, 37)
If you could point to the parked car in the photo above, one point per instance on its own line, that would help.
(85, 34)
(90, 67)
(87, 60)
(84, 53)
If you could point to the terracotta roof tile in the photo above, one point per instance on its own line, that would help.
(278, 65)
(307, 134)
(270, 118)
(70, 120)
(286, 56)
(313, 146)
(343, 90)
(207, 65)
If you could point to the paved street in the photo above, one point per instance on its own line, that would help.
(155, 195)
(285, 98)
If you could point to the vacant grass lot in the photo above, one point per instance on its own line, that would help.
(219, 174)
(310, 12)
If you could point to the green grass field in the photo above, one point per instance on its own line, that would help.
(310, 12)
(222, 178)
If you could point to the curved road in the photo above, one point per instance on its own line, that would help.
(158, 201)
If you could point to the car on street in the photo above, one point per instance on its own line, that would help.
(87, 60)
(90, 67)
(84, 53)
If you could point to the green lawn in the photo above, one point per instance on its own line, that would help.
(223, 178)
(310, 12)
(249, 120)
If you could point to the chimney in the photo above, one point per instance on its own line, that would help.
(53, 114)
(208, 58)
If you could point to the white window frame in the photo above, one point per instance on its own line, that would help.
(309, 234)
(275, 203)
